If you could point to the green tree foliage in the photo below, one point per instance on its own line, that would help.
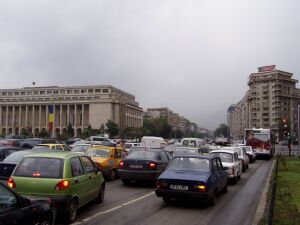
(112, 128)
(157, 127)
(222, 131)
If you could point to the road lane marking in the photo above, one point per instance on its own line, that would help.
(113, 209)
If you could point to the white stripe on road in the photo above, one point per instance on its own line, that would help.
(114, 208)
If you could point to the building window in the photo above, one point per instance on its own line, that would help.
(62, 91)
(91, 91)
(98, 90)
(69, 91)
(83, 91)
(105, 90)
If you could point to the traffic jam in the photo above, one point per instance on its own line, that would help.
(45, 180)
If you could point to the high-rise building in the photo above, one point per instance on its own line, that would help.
(35, 108)
(271, 99)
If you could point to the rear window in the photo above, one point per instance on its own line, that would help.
(189, 164)
(80, 148)
(39, 167)
(103, 153)
(225, 157)
(142, 155)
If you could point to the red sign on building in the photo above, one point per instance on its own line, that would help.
(266, 68)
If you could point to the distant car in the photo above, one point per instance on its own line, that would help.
(143, 165)
(19, 210)
(250, 152)
(6, 151)
(62, 147)
(69, 179)
(284, 142)
(242, 156)
(81, 148)
(108, 158)
(128, 146)
(192, 177)
(31, 142)
(231, 163)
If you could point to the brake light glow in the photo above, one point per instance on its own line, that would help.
(36, 174)
(121, 164)
(202, 188)
(62, 185)
(152, 165)
(11, 183)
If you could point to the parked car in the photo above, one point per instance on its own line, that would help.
(192, 177)
(69, 179)
(251, 153)
(6, 151)
(62, 147)
(231, 163)
(108, 158)
(18, 210)
(143, 165)
(242, 156)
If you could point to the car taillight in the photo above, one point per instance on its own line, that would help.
(161, 185)
(62, 185)
(152, 165)
(121, 164)
(11, 183)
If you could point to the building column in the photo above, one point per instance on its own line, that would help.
(82, 119)
(47, 117)
(0, 119)
(20, 118)
(68, 114)
(60, 119)
(40, 115)
(53, 127)
(26, 116)
(75, 120)
(6, 120)
(13, 120)
(32, 122)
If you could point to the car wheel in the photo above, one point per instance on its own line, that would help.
(225, 188)
(243, 168)
(213, 198)
(72, 211)
(166, 199)
(125, 181)
(45, 221)
(112, 175)
(235, 180)
(100, 197)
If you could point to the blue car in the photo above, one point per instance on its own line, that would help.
(192, 177)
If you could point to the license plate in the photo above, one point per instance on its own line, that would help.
(136, 166)
(179, 187)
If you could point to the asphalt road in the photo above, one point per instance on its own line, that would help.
(138, 205)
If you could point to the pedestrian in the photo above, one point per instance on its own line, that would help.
(289, 145)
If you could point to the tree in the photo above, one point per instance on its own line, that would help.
(222, 131)
(112, 128)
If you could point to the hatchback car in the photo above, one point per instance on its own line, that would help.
(242, 156)
(69, 179)
(192, 177)
(62, 147)
(108, 158)
(143, 165)
(18, 210)
(231, 163)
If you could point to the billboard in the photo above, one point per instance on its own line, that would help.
(266, 68)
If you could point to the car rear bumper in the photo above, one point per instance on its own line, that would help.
(183, 195)
(138, 175)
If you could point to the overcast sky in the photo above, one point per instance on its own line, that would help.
(193, 56)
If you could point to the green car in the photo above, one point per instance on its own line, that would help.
(69, 179)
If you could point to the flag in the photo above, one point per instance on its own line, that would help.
(50, 117)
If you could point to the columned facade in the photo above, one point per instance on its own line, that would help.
(80, 106)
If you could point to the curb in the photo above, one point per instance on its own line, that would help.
(260, 210)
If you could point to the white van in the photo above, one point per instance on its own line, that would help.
(192, 142)
(153, 142)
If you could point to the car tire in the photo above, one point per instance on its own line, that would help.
(235, 180)
(112, 175)
(125, 181)
(213, 199)
(166, 200)
(225, 189)
(45, 221)
(72, 212)
(100, 197)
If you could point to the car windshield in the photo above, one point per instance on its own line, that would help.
(225, 157)
(141, 155)
(40, 167)
(189, 164)
(247, 148)
(238, 150)
(80, 148)
(103, 153)
(41, 147)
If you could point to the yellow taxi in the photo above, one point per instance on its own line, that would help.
(108, 158)
(62, 147)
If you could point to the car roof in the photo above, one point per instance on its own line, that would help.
(54, 154)
(224, 150)
(195, 156)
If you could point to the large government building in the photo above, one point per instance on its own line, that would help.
(271, 99)
(81, 106)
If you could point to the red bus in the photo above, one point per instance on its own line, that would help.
(261, 140)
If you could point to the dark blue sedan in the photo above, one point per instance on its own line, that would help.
(194, 177)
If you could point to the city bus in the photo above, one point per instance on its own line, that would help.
(261, 140)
